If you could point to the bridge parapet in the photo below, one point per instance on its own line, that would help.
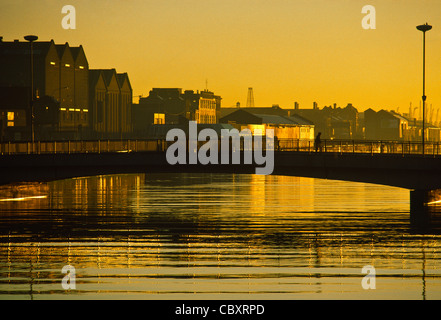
(142, 145)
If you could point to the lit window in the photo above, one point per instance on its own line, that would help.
(67, 65)
(257, 129)
(10, 123)
(77, 110)
(70, 109)
(52, 63)
(159, 118)
(85, 110)
(62, 109)
(11, 116)
(81, 67)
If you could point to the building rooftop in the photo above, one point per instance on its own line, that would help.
(275, 119)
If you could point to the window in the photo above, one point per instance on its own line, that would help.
(67, 65)
(159, 118)
(11, 117)
(52, 63)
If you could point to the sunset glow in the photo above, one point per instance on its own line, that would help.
(287, 50)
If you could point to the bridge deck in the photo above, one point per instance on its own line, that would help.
(398, 164)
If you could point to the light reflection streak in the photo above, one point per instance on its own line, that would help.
(23, 198)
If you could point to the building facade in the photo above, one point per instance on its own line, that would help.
(285, 128)
(172, 106)
(60, 76)
(110, 98)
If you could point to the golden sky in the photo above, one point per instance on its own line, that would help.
(287, 50)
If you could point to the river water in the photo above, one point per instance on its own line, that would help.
(214, 236)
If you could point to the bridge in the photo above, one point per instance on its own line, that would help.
(399, 164)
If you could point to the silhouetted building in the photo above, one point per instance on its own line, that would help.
(202, 107)
(273, 110)
(284, 127)
(320, 118)
(15, 61)
(81, 78)
(415, 128)
(97, 101)
(111, 104)
(166, 102)
(332, 121)
(14, 113)
(59, 71)
(385, 125)
(126, 95)
(47, 116)
(172, 106)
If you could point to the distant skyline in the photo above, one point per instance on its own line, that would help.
(287, 50)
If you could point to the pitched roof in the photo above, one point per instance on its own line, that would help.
(94, 76)
(399, 116)
(75, 51)
(274, 110)
(241, 116)
(301, 120)
(275, 119)
(226, 111)
(61, 48)
(107, 75)
(121, 77)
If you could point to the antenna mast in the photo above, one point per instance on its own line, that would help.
(250, 99)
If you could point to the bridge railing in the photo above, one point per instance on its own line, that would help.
(331, 146)
(361, 146)
(95, 146)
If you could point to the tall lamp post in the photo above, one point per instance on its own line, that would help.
(31, 39)
(424, 28)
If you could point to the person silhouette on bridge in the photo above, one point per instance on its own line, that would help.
(318, 143)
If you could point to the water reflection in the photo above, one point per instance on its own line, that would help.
(426, 220)
(159, 236)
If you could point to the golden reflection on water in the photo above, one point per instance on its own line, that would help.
(187, 236)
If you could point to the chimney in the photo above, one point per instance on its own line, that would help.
(296, 105)
(1, 39)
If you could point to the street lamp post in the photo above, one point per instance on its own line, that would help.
(31, 39)
(424, 28)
